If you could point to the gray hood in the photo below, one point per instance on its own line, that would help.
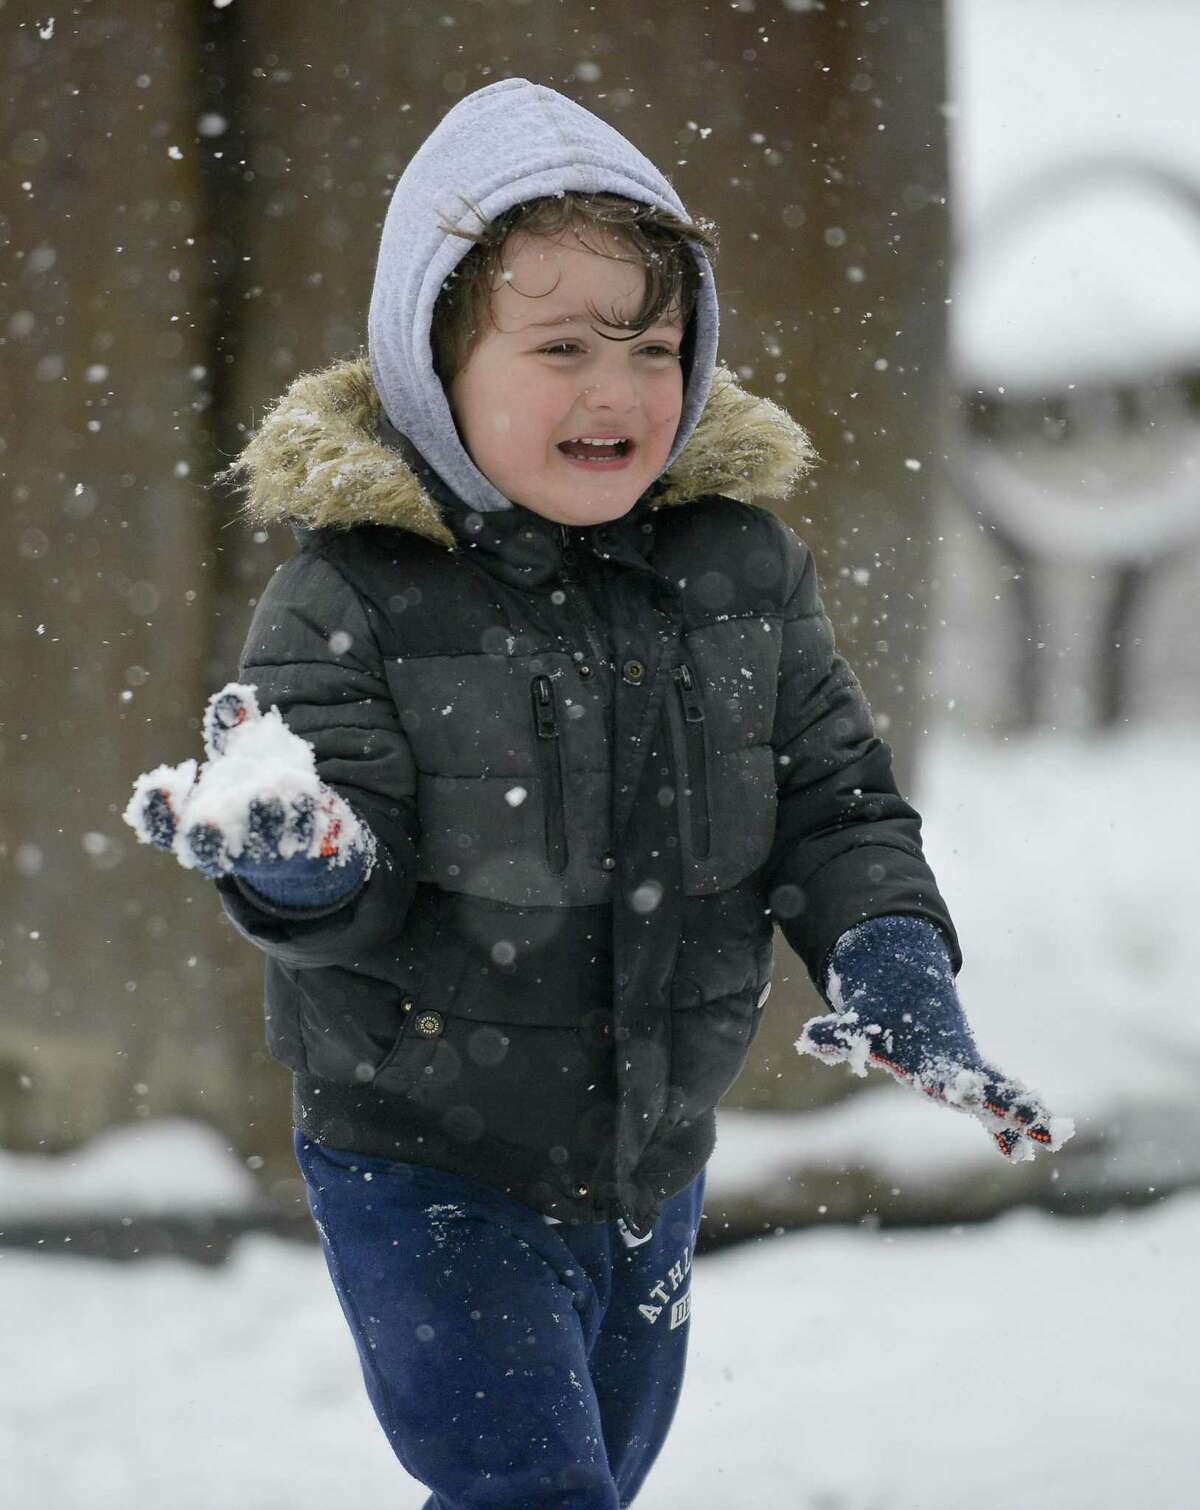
(502, 145)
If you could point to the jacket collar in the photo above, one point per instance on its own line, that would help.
(323, 459)
(523, 547)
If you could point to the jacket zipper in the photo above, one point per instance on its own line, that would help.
(578, 600)
(696, 775)
(545, 718)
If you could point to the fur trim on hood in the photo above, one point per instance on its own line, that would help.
(317, 459)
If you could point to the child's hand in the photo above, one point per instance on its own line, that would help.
(897, 1008)
(256, 808)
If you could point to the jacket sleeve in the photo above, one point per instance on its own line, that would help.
(847, 846)
(310, 651)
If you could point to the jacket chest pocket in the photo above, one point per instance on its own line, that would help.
(692, 746)
(725, 787)
(548, 753)
(513, 780)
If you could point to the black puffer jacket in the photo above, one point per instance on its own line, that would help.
(599, 764)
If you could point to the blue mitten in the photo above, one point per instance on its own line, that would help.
(256, 809)
(891, 984)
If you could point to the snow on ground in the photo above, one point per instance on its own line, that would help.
(1035, 1362)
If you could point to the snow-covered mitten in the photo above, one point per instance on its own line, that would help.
(891, 984)
(256, 809)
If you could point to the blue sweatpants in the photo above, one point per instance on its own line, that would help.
(513, 1364)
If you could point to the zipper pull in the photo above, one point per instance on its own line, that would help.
(689, 695)
(544, 713)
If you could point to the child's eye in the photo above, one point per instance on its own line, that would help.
(571, 348)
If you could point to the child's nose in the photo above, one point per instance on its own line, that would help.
(613, 390)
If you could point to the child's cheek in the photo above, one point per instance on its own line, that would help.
(670, 396)
(670, 411)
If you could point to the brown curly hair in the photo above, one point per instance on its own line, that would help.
(650, 237)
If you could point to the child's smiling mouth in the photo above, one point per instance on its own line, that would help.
(596, 453)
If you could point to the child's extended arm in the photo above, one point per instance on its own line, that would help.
(851, 890)
(847, 846)
(310, 654)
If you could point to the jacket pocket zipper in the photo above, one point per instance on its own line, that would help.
(545, 719)
(696, 776)
(398, 1042)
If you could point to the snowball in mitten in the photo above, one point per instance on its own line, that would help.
(256, 808)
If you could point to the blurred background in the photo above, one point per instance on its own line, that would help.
(960, 243)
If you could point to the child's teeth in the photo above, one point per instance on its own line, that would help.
(613, 448)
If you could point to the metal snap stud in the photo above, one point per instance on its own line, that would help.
(634, 672)
(428, 1024)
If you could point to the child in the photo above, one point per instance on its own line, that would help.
(556, 732)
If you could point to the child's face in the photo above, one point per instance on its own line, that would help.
(541, 376)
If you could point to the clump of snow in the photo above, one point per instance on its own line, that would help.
(175, 782)
(253, 759)
(965, 1089)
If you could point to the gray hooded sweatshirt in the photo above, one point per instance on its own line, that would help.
(500, 146)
